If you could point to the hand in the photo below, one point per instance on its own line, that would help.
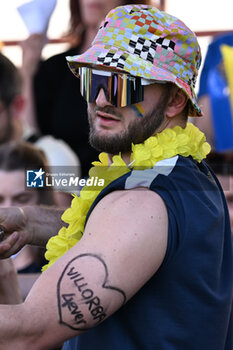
(9, 288)
(14, 234)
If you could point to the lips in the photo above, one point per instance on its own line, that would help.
(106, 116)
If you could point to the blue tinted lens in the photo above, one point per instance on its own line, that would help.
(99, 82)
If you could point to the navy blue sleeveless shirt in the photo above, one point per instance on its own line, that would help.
(187, 304)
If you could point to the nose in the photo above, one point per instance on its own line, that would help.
(5, 203)
(101, 99)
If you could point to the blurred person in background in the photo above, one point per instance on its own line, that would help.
(12, 127)
(60, 109)
(15, 159)
(215, 94)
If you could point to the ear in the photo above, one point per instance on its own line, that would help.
(176, 103)
(17, 106)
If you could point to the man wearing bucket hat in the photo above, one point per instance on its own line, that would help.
(145, 259)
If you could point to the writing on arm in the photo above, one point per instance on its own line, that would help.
(79, 295)
(123, 245)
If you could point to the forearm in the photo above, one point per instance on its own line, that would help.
(31, 54)
(30, 325)
(26, 281)
(29, 115)
(10, 295)
(32, 225)
(42, 223)
(34, 324)
(15, 330)
(66, 300)
(9, 288)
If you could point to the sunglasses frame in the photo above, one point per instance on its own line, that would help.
(121, 89)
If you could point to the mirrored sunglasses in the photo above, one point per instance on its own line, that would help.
(120, 89)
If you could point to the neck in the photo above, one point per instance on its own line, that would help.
(125, 156)
(168, 123)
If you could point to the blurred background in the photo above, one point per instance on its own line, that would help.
(204, 17)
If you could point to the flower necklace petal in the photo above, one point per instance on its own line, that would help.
(186, 142)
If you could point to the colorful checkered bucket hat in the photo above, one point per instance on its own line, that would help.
(148, 43)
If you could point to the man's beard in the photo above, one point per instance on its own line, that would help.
(137, 132)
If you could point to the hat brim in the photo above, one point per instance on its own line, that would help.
(104, 56)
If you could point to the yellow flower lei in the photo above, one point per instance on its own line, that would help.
(189, 141)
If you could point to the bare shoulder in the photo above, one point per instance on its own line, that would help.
(129, 226)
(132, 204)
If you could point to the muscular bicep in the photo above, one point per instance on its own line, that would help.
(123, 245)
(129, 231)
